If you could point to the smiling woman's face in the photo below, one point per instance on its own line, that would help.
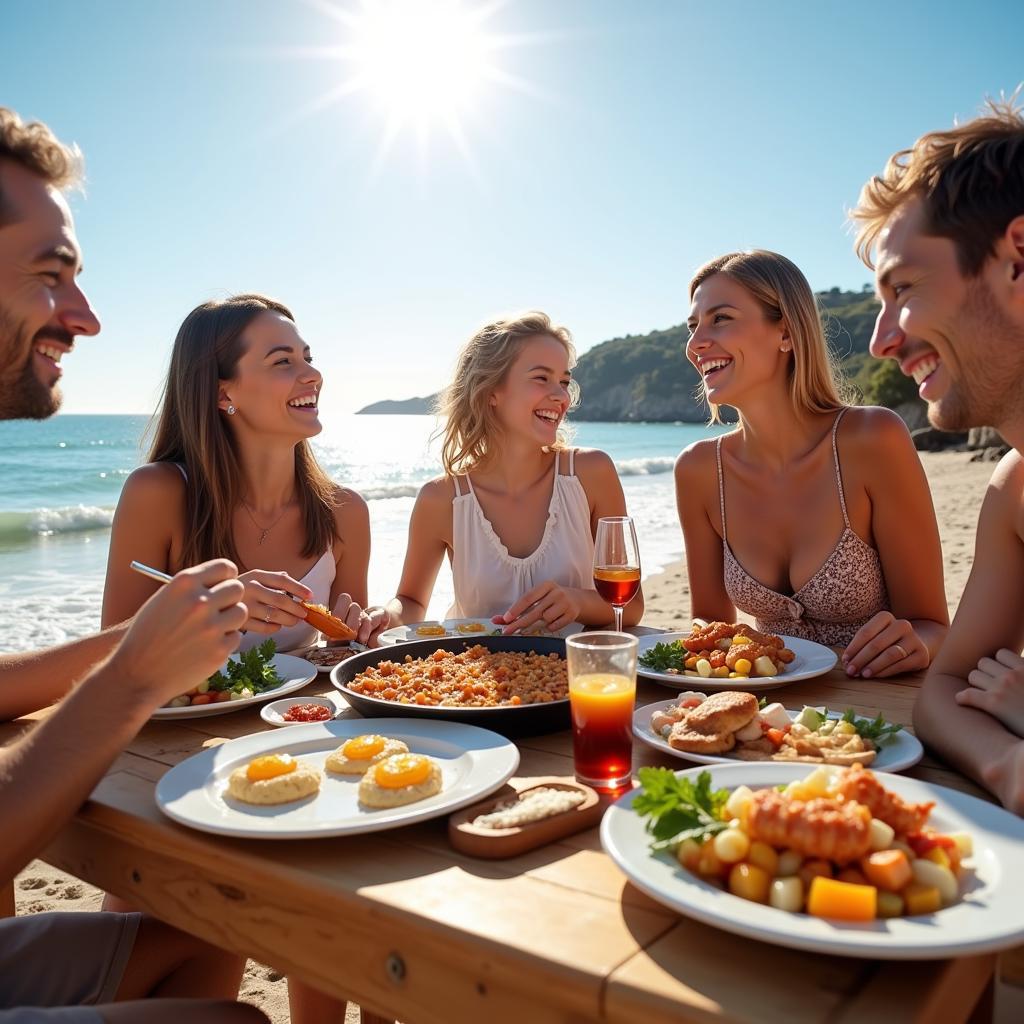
(733, 345)
(276, 388)
(534, 397)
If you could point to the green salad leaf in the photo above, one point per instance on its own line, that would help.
(677, 808)
(877, 729)
(661, 657)
(253, 670)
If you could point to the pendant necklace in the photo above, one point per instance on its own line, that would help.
(264, 530)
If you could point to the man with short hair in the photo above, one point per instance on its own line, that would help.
(943, 227)
(83, 967)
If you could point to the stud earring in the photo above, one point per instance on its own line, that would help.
(231, 410)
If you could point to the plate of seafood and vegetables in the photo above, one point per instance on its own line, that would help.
(730, 656)
(829, 859)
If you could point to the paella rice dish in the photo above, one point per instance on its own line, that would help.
(475, 678)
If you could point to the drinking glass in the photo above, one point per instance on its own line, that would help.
(602, 691)
(616, 563)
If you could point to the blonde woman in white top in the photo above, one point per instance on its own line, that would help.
(516, 510)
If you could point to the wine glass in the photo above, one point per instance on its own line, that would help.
(616, 563)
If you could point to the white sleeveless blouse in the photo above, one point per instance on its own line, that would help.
(488, 580)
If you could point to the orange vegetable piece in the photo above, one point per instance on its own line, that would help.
(936, 854)
(843, 901)
(749, 882)
(887, 869)
(921, 899)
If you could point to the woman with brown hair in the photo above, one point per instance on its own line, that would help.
(231, 474)
(813, 517)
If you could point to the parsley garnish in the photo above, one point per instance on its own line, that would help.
(253, 670)
(878, 730)
(661, 657)
(678, 808)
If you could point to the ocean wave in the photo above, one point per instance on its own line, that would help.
(390, 491)
(646, 466)
(45, 522)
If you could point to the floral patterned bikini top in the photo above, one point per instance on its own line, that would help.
(833, 604)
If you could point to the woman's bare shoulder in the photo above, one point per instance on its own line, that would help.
(153, 483)
(872, 436)
(439, 492)
(697, 461)
(591, 462)
(871, 422)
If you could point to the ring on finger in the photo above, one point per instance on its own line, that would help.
(266, 618)
(903, 653)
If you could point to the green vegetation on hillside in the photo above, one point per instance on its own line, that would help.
(648, 377)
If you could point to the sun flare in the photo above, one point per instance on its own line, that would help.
(420, 69)
(420, 61)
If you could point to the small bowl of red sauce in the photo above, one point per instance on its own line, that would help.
(299, 710)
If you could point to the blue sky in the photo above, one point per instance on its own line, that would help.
(644, 137)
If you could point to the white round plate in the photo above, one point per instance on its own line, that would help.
(294, 672)
(407, 634)
(986, 918)
(810, 660)
(273, 713)
(474, 762)
(902, 751)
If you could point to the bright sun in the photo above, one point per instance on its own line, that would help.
(421, 60)
(420, 66)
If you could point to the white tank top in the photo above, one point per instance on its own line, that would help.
(301, 635)
(488, 580)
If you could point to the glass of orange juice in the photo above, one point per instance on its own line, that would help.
(602, 690)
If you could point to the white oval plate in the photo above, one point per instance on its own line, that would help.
(810, 660)
(407, 634)
(474, 762)
(273, 713)
(901, 752)
(987, 917)
(295, 673)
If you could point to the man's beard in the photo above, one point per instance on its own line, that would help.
(991, 346)
(23, 396)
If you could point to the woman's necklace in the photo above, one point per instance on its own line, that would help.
(264, 530)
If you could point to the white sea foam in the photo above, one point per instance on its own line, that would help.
(45, 522)
(390, 491)
(646, 466)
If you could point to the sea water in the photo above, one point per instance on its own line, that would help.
(60, 480)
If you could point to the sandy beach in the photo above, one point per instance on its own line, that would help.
(958, 486)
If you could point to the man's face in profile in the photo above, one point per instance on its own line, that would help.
(42, 309)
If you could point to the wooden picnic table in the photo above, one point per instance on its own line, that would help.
(405, 925)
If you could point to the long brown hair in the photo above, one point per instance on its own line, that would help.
(816, 382)
(191, 432)
(470, 426)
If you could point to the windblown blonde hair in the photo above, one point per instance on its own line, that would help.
(38, 150)
(970, 180)
(815, 381)
(470, 426)
(191, 431)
